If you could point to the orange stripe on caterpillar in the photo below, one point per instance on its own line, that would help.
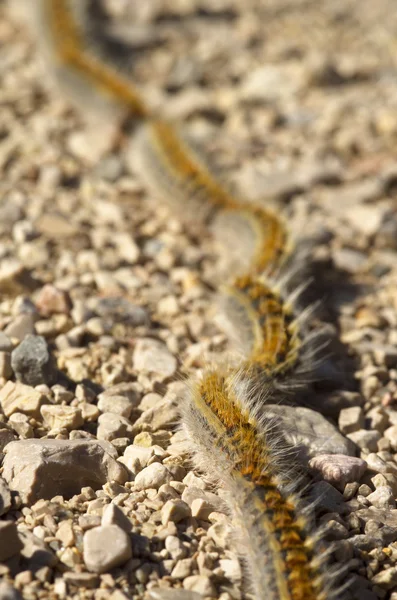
(177, 172)
(170, 158)
(256, 316)
(280, 563)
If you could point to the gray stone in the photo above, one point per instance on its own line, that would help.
(271, 83)
(121, 310)
(366, 439)
(328, 498)
(5, 497)
(309, 431)
(10, 542)
(391, 435)
(136, 458)
(112, 426)
(105, 548)
(46, 468)
(32, 362)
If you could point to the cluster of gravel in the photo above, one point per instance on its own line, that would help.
(106, 300)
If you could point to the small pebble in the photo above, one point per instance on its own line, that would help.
(105, 548)
(338, 468)
(32, 362)
(153, 476)
(175, 511)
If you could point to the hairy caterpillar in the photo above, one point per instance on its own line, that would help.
(278, 553)
(225, 414)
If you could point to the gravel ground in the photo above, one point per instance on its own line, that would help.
(106, 299)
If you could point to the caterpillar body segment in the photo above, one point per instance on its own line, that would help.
(175, 171)
(172, 170)
(263, 239)
(277, 551)
(95, 88)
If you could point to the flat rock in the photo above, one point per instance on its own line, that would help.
(309, 431)
(17, 397)
(105, 548)
(339, 468)
(47, 468)
(10, 542)
(33, 363)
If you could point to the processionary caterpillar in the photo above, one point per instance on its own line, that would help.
(232, 439)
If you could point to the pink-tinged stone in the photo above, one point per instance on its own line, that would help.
(338, 469)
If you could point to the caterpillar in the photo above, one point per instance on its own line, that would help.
(232, 439)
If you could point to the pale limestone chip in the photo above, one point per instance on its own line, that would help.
(175, 511)
(153, 476)
(17, 397)
(105, 548)
(59, 417)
